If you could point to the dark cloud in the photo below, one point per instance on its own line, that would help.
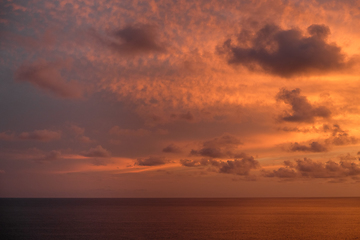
(133, 39)
(302, 110)
(47, 76)
(98, 151)
(151, 161)
(221, 147)
(190, 163)
(211, 152)
(172, 148)
(308, 168)
(313, 147)
(40, 135)
(240, 167)
(287, 52)
(281, 173)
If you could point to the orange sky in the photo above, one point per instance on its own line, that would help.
(179, 98)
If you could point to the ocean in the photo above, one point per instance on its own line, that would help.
(177, 218)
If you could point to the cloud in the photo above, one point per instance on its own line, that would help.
(51, 156)
(186, 116)
(339, 137)
(132, 39)
(313, 147)
(308, 168)
(79, 133)
(302, 110)
(98, 151)
(287, 52)
(183, 116)
(76, 129)
(40, 135)
(99, 162)
(172, 148)
(240, 166)
(151, 161)
(85, 139)
(128, 132)
(47, 76)
(7, 136)
(221, 147)
(281, 173)
(190, 163)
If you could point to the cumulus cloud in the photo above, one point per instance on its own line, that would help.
(240, 166)
(221, 147)
(302, 110)
(287, 52)
(40, 135)
(151, 161)
(307, 168)
(339, 137)
(47, 76)
(97, 151)
(172, 148)
(133, 39)
(312, 147)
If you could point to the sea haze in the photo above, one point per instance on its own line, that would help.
(244, 218)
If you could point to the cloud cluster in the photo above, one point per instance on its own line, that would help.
(287, 52)
(47, 76)
(335, 136)
(241, 166)
(338, 136)
(307, 168)
(312, 147)
(302, 109)
(221, 147)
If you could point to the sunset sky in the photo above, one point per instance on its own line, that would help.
(176, 98)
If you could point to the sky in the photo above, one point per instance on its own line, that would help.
(176, 98)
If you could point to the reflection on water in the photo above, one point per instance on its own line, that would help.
(259, 218)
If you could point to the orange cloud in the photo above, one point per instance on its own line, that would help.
(47, 76)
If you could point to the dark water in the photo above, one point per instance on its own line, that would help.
(290, 218)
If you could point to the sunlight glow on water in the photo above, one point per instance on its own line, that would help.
(281, 218)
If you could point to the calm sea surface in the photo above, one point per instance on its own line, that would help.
(244, 218)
